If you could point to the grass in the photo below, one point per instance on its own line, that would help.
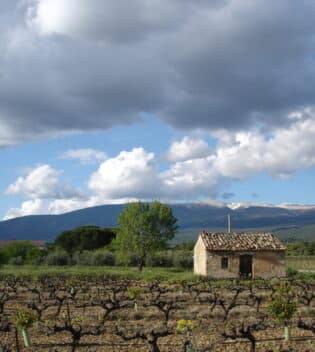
(148, 274)
(301, 263)
(131, 273)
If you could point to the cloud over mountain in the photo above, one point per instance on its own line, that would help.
(139, 174)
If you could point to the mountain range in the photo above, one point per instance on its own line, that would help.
(191, 217)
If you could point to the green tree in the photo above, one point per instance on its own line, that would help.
(85, 238)
(144, 228)
(21, 249)
(283, 307)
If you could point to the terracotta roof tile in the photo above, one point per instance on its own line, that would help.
(241, 242)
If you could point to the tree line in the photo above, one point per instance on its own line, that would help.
(142, 237)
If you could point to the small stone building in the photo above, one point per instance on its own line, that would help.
(239, 255)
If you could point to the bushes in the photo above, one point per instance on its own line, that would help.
(19, 252)
(16, 261)
(57, 258)
(103, 258)
(96, 258)
(178, 258)
(291, 272)
(183, 259)
(82, 258)
(85, 238)
(161, 259)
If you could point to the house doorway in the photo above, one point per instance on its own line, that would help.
(246, 266)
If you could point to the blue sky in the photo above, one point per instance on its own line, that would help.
(108, 106)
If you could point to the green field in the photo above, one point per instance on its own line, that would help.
(168, 274)
(115, 272)
(301, 263)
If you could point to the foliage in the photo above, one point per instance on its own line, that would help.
(185, 246)
(145, 228)
(16, 261)
(58, 258)
(85, 238)
(94, 258)
(291, 272)
(160, 259)
(301, 248)
(25, 318)
(21, 249)
(183, 259)
(282, 307)
(103, 258)
(184, 326)
(134, 292)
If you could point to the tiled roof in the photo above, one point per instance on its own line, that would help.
(241, 242)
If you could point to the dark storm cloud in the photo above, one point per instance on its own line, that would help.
(213, 65)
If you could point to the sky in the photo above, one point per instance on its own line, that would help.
(105, 102)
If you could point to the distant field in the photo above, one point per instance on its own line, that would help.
(301, 263)
(285, 233)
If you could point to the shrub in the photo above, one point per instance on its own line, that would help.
(56, 258)
(16, 261)
(283, 307)
(103, 258)
(183, 259)
(24, 249)
(85, 238)
(162, 259)
(127, 259)
(83, 258)
(291, 272)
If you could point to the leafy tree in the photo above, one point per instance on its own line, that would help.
(85, 238)
(283, 307)
(145, 228)
(21, 249)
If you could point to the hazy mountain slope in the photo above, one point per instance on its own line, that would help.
(190, 216)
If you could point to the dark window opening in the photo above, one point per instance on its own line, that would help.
(224, 263)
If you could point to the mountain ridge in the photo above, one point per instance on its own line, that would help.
(189, 215)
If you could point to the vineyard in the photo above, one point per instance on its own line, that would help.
(100, 313)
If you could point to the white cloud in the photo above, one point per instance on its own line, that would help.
(85, 156)
(135, 174)
(130, 174)
(246, 154)
(191, 179)
(187, 149)
(42, 182)
(30, 207)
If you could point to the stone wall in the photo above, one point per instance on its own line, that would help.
(265, 264)
(200, 258)
(214, 265)
(269, 264)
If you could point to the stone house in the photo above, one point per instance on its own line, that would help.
(239, 255)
